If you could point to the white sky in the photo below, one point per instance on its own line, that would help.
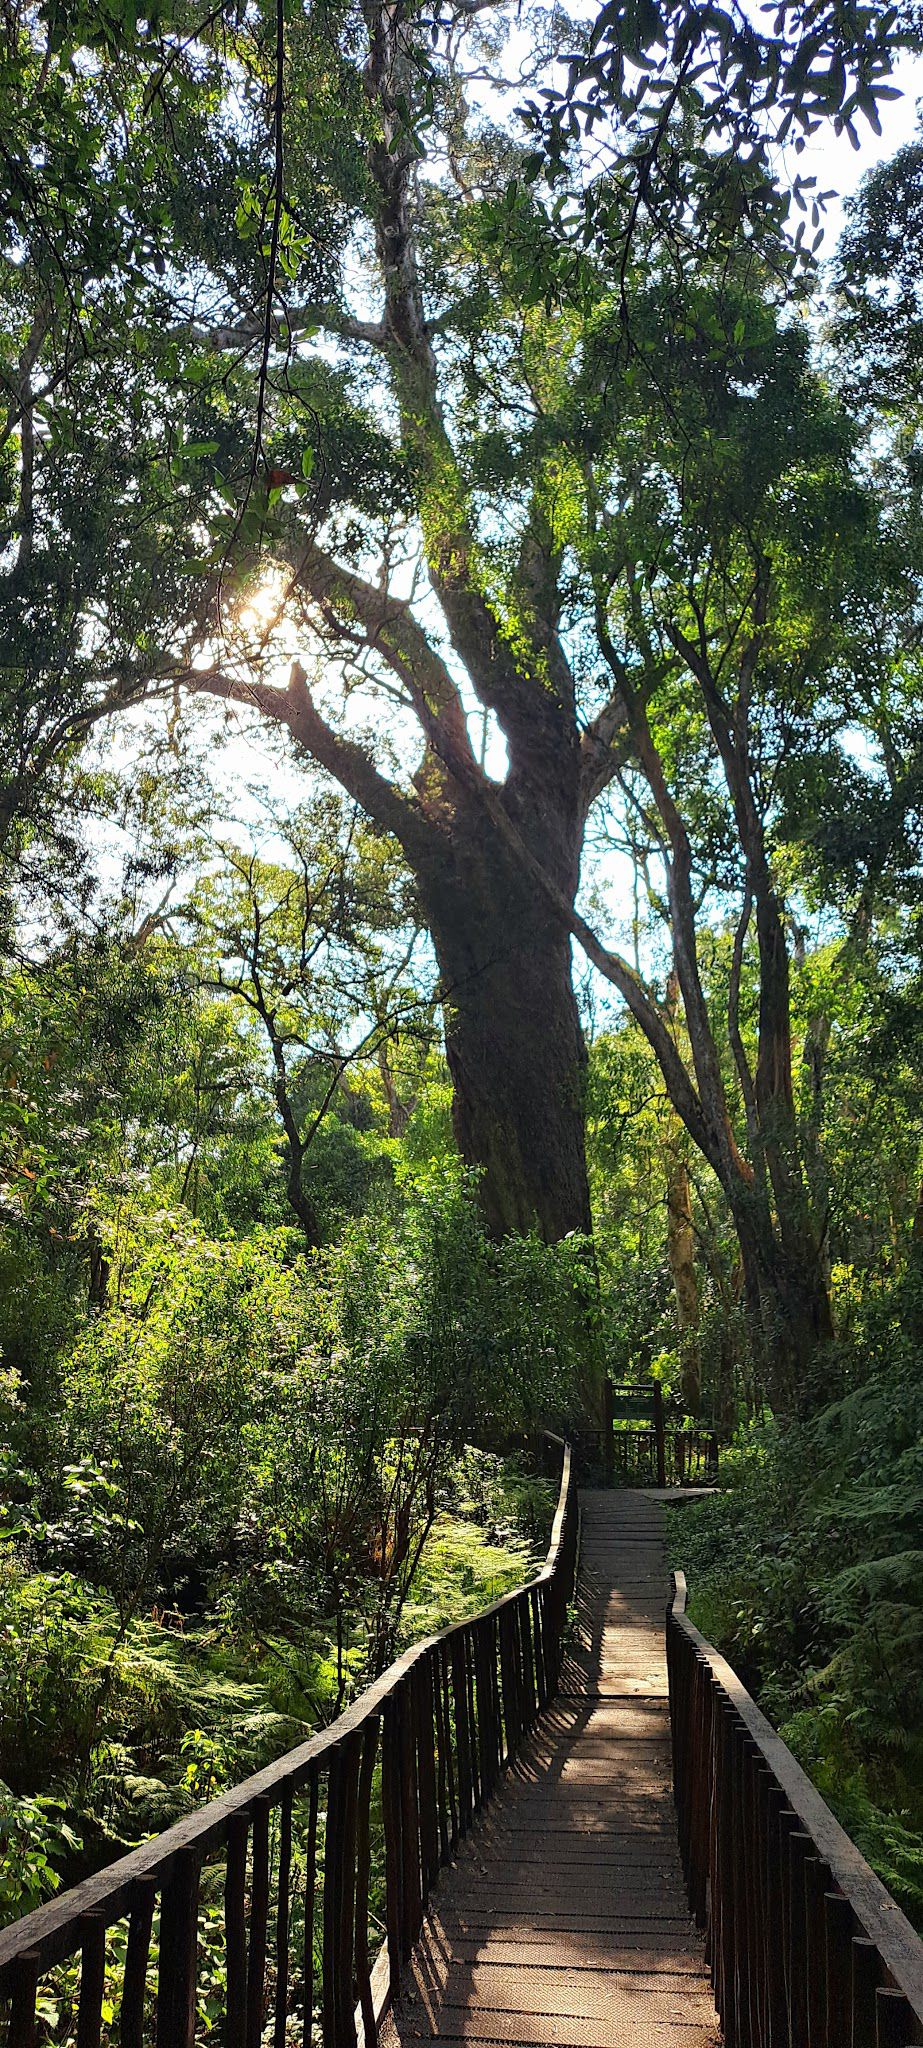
(839, 167)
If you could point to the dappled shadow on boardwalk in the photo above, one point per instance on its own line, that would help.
(564, 1918)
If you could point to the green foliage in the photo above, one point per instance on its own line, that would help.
(808, 1573)
(246, 1456)
(691, 109)
(491, 1536)
(30, 1838)
(244, 1483)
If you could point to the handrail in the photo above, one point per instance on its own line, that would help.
(807, 1947)
(450, 1714)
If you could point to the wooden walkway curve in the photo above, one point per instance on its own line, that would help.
(564, 1918)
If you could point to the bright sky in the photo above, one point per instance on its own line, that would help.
(838, 167)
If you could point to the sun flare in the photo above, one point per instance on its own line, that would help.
(261, 610)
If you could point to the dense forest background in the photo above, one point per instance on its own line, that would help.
(460, 800)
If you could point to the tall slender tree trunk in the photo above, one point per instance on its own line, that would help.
(681, 1252)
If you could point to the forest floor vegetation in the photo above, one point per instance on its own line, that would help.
(806, 1571)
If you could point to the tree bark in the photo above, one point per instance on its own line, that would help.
(513, 1039)
(681, 1251)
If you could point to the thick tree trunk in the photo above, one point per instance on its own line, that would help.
(513, 1039)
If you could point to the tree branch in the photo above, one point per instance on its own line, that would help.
(734, 1035)
(384, 803)
(600, 758)
(389, 628)
(286, 326)
(476, 630)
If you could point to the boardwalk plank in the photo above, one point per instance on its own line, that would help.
(563, 1922)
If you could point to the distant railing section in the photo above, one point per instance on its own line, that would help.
(690, 1458)
(807, 1948)
(643, 1447)
(274, 1892)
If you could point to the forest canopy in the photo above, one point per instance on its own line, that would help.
(461, 767)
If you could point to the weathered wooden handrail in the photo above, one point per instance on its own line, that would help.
(807, 1948)
(288, 1855)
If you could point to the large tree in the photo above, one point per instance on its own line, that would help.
(356, 371)
(429, 565)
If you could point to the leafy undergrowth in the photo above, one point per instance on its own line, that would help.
(807, 1572)
(493, 1539)
(109, 1733)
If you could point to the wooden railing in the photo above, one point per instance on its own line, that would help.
(642, 1447)
(689, 1458)
(807, 1948)
(281, 1889)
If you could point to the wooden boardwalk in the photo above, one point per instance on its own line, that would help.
(563, 1919)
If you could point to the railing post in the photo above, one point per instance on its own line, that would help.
(394, 1854)
(893, 2018)
(818, 1879)
(459, 1656)
(259, 1923)
(451, 1773)
(426, 1765)
(727, 1977)
(310, 1892)
(838, 1925)
(283, 1917)
(799, 1849)
(701, 1793)
(410, 1824)
(743, 1847)
(765, 1929)
(474, 1716)
(333, 1855)
(788, 1823)
(660, 1443)
(538, 1648)
(24, 1991)
(608, 1429)
(235, 1930)
(775, 1918)
(492, 1648)
(176, 1985)
(526, 1612)
(363, 1873)
(92, 1982)
(507, 1683)
(134, 1983)
(346, 1924)
(866, 1977)
(442, 1754)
